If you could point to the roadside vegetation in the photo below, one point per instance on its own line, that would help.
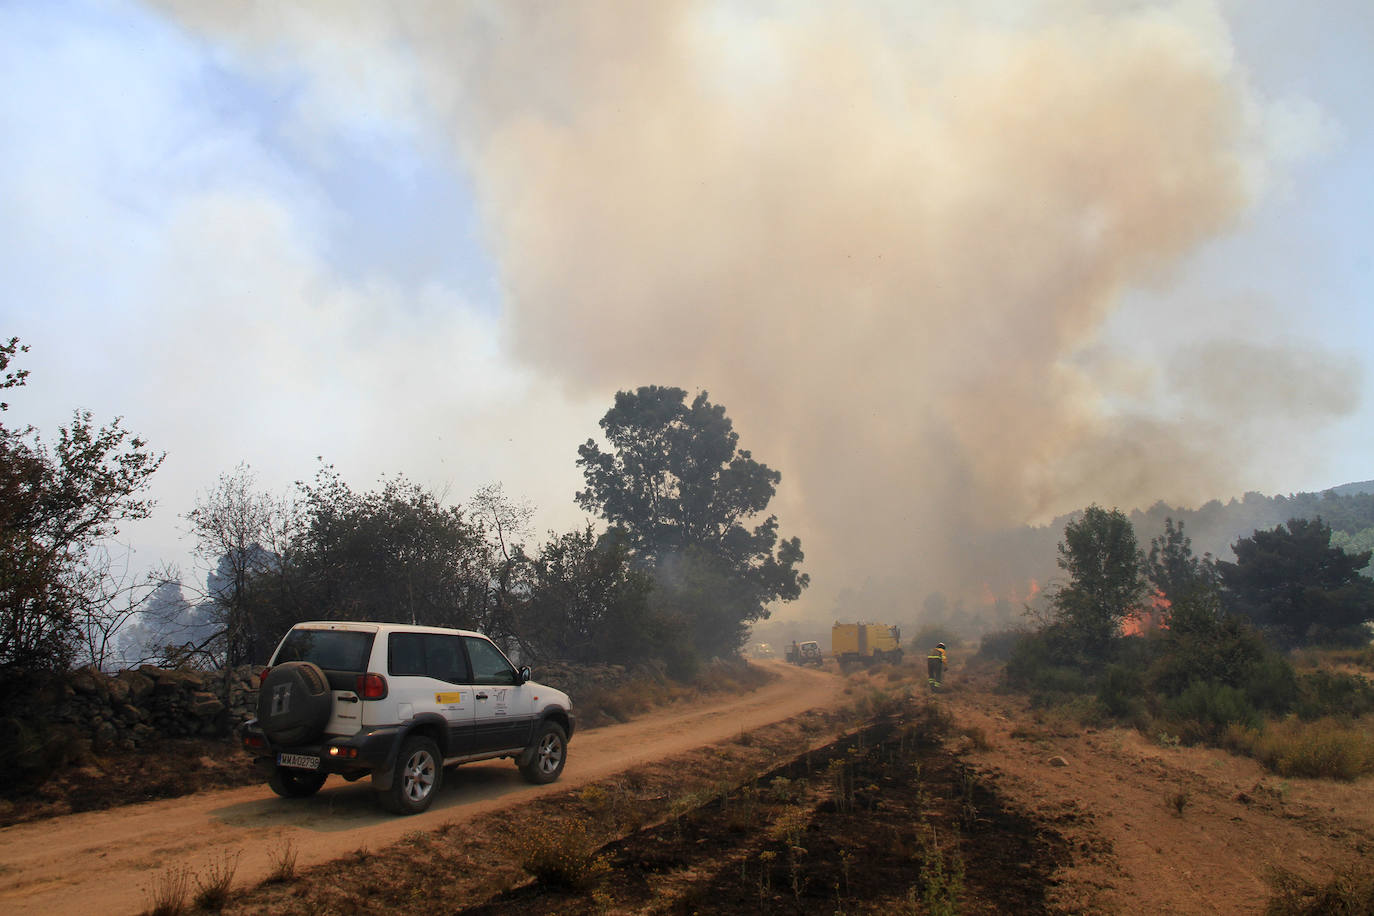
(1268, 656)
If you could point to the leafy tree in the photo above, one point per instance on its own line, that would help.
(1106, 578)
(1204, 643)
(1172, 568)
(588, 603)
(1356, 543)
(244, 533)
(678, 486)
(1298, 588)
(56, 506)
(394, 554)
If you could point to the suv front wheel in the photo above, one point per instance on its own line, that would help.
(550, 752)
(419, 773)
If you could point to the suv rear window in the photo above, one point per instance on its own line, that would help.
(332, 650)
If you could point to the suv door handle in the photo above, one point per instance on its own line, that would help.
(348, 699)
(481, 696)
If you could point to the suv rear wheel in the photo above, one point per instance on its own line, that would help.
(418, 776)
(295, 783)
(550, 749)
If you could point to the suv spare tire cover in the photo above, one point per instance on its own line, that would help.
(294, 703)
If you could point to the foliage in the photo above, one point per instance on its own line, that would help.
(245, 534)
(57, 505)
(1171, 567)
(1329, 693)
(1298, 588)
(563, 855)
(1206, 645)
(1205, 710)
(1106, 582)
(588, 603)
(680, 491)
(1119, 691)
(999, 646)
(1356, 543)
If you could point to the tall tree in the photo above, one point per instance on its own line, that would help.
(588, 603)
(396, 554)
(244, 533)
(56, 506)
(1173, 569)
(1298, 588)
(677, 484)
(1106, 577)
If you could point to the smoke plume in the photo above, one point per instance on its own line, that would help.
(888, 241)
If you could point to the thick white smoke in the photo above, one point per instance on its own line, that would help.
(886, 240)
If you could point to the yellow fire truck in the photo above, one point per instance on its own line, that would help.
(865, 643)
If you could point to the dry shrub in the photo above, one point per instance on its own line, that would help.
(283, 862)
(1327, 748)
(978, 739)
(212, 890)
(561, 855)
(167, 896)
(1349, 892)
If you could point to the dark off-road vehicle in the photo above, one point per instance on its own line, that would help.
(399, 703)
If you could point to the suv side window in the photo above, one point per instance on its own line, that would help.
(489, 666)
(444, 659)
(426, 655)
(405, 654)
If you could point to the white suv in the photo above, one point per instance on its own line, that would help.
(399, 703)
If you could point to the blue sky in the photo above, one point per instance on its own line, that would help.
(439, 246)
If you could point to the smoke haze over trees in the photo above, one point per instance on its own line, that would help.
(908, 245)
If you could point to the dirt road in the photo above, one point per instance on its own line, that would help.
(105, 861)
(1157, 828)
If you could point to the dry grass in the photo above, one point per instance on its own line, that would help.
(1327, 748)
(212, 888)
(562, 855)
(1349, 892)
(167, 896)
(283, 859)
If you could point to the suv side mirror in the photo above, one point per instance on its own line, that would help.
(525, 674)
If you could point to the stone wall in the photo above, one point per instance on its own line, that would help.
(134, 707)
(138, 707)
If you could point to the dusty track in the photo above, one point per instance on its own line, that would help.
(105, 861)
(1111, 793)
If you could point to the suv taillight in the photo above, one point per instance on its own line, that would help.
(371, 686)
(262, 676)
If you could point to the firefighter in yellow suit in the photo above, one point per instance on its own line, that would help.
(935, 665)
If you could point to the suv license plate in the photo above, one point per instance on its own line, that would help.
(299, 761)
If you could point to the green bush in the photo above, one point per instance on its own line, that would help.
(1118, 691)
(999, 646)
(1047, 661)
(1206, 710)
(1332, 693)
(1271, 684)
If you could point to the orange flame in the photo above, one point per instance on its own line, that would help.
(1154, 616)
